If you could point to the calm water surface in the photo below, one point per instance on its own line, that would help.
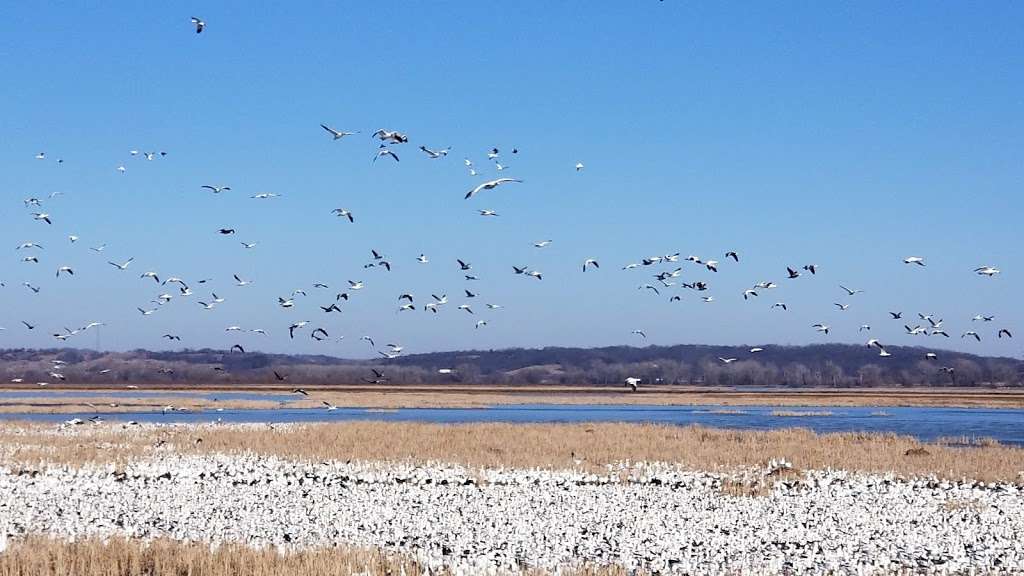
(926, 423)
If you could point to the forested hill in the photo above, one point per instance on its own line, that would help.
(816, 365)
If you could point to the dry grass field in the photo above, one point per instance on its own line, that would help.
(40, 556)
(551, 446)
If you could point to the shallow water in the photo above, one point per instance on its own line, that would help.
(926, 423)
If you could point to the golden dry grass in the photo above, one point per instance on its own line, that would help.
(41, 556)
(470, 396)
(494, 445)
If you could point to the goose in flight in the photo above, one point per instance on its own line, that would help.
(171, 337)
(756, 350)
(296, 326)
(65, 269)
(355, 285)
(986, 271)
(590, 262)
(792, 273)
(727, 360)
(542, 243)
(249, 245)
(146, 312)
(384, 151)
(41, 216)
(343, 213)
(983, 318)
(29, 245)
(330, 407)
(712, 265)
(864, 327)
(199, 24)
(314, 334)
(1004, 331)
(122, 266)
(822, 328)
(579, 166)
(265, 195)
(73, 238)
(216, 189)
(283, 303)
(733, 255)
(422, 259)
(875, 343)
(748, 293)
(298, 390)
(490, 185)
(206, 306)
(33, 259)
(150, 275)
(480, 323)
(780, 305)
(843, 307)
(465, 307)
(914, 331)
(237, 347)
(390, 135)
(226, 231)
(535, 274)
(639, 333)
(896, 315)
(29, 326)
(971, 333)
(241, 282)
(370, 340)
(914, 260)
(812, 268)
(488, 213)
(494, 306)
(850, 292)
(649, 287)
(434, 154)
(337, 134)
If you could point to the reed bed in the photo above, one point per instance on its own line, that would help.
(42, 556)
(496, 445)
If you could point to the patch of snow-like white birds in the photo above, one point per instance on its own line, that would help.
(643, 516)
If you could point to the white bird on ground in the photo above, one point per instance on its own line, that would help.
(633, 382)
(490, 185)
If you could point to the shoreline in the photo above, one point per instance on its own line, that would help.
(43, 400)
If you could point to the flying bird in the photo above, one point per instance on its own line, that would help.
(337, 134)
(199, 24)
(489, 185)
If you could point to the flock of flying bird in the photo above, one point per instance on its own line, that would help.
(390, 143)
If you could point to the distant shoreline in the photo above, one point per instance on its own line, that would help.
(62, 399)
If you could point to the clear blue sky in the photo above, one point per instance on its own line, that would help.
(847, 135)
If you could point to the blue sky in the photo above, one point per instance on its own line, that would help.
(850, 136)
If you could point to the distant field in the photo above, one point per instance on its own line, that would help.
(550, 446)
(463, 396)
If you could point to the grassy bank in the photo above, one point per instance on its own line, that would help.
(552, 446)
